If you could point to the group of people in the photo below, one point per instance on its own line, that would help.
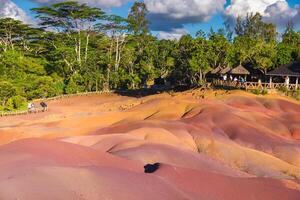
(32, 107)
(234, 79)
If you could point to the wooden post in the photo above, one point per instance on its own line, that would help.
(297, 82)
(271, 82)
(287, 80)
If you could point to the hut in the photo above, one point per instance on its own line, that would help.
(290, 73)
(214, 74)
(216, 70)
(225, 70)
(240, 71)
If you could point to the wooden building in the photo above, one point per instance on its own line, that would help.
(289, 73)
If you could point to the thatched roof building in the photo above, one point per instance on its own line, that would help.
(292, 69)
(239, 70)
(216, 70)
(225, 70)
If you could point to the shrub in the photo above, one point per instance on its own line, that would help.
(71, 87)
(19, 102)
(260, 92)
(264, 91)
(15, 103)
(256, 91)
(297, 96)
(283, 89)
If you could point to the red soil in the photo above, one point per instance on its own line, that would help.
(224, 147)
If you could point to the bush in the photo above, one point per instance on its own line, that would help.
(71, 87)
(19, 102)
(297, 95)
(7, 90)
(264, 91)
(256, 91)
(260, 92)
(15, 103)
(283, 89)
(9, 105)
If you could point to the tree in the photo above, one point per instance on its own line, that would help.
(291, 41)
(199, 62)
(183, 53)
(74, 20)
(138, 23)
(264, 56)
(255, 43)
(219, 47)
(254, 27)
(7, 90)
(14, 33)
(164, 58)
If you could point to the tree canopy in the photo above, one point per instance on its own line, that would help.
(78, 48)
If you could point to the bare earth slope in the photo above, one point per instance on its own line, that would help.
(222, 147)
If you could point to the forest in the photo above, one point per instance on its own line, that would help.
(76, 48)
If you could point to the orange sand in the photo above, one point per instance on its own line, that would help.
(227, 146)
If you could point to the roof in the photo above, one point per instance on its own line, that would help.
(239, 70)
(292, 69)
(225, 71)
(216, 70)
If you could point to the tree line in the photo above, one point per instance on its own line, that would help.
(76, 48)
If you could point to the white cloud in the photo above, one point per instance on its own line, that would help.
(242, 7)
(99, 3)
(275, 11)
(166, 15)
(179, 9)
(280, 13)
(175, 34)
(9, 9)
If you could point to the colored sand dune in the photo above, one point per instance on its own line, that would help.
(223, 147)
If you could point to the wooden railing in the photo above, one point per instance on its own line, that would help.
(255, 85)
(231, 84)
(40, 109)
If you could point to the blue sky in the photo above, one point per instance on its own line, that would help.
(176, 17)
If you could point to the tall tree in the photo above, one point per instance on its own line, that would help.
(14, 33)
(72, 18)
(138, 23)
(199, 62)
(253, 27)
(219, 47)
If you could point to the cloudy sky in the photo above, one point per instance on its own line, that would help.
(172, 18)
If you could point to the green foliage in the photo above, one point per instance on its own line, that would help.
(283, 89)
(7, 90)
(264, 91)
(91, 50)
(138, 23)
(260, 91)
(71, 87)
(16, 103)
(297, 96)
